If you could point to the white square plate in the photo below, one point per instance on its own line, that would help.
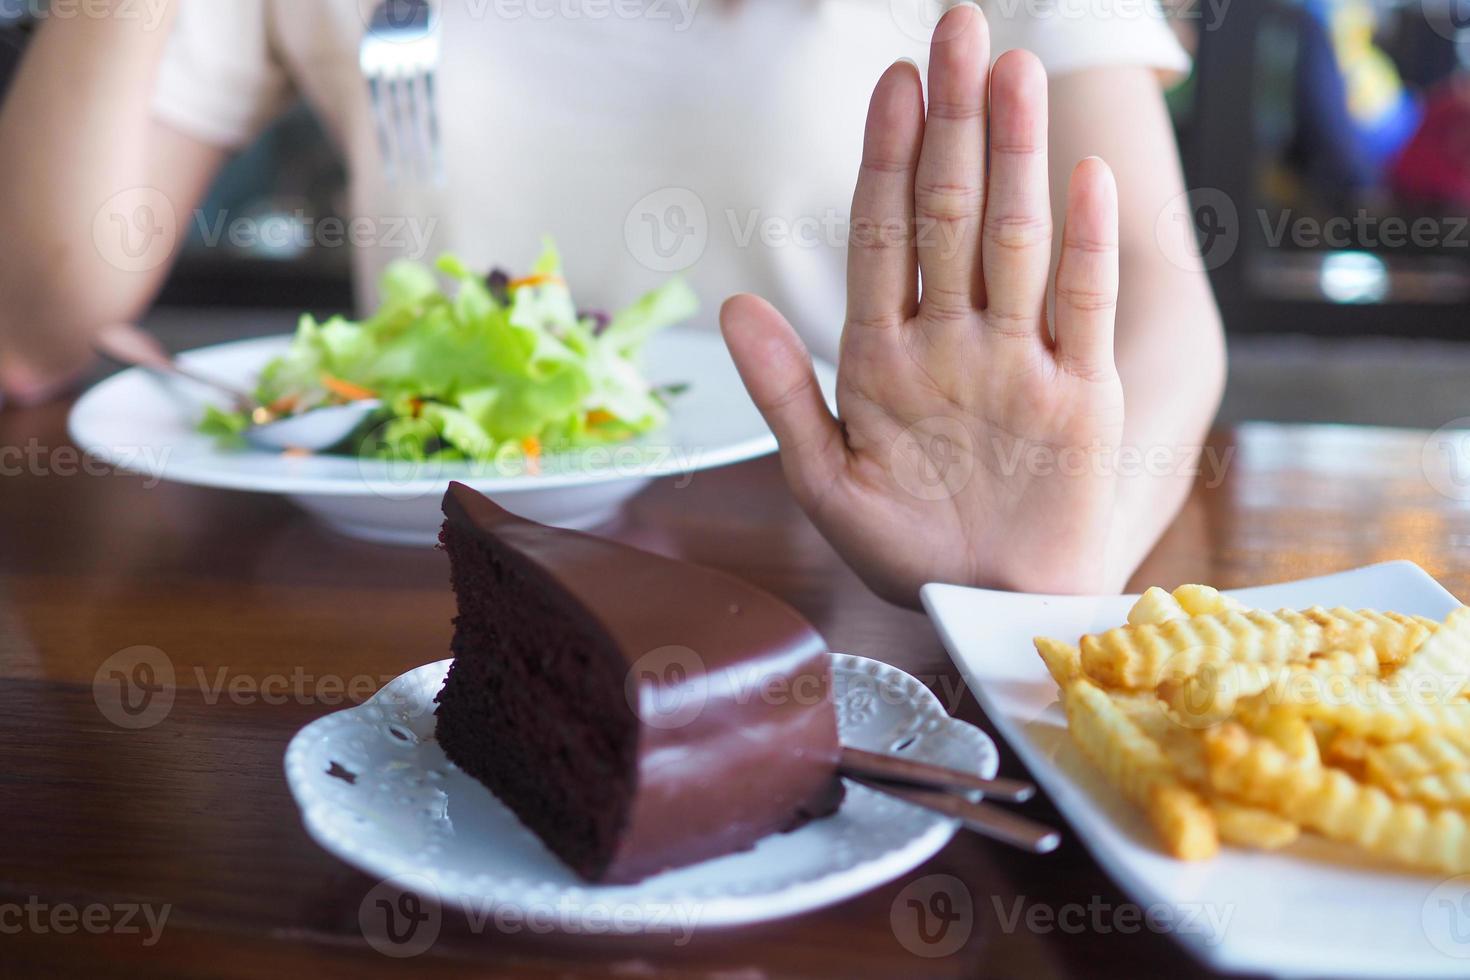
(1316, 908)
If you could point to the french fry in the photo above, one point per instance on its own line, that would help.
(1202, 600)
(1137, 657)
(1181, 745)
(1212, 694)
(1332, 803)
(1139, 768)
(1400, 762)
(1155, 606)
(1441, 663)
(1233, 724)
(1062, 661)
(1290, 732)
(1382, 710)
(1450, 789)
(1253, 827)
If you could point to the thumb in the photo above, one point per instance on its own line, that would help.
(777, 371)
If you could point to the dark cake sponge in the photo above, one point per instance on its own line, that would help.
(636, 712)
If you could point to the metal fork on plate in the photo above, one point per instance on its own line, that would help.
(399, 57)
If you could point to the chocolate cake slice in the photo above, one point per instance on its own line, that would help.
(637, 713)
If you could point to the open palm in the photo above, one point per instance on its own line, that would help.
(975, 439)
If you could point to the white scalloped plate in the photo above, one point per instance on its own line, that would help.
(1313, 909)
(411, 814)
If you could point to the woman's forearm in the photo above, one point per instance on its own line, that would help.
(1173, 371)
(95, 191)
(1169, 348)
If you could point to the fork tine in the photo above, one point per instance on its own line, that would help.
(385, 133)
(400, 96)
(436, 146)
(417, 145)
(420, 118)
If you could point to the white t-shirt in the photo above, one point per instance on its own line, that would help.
(719, 141)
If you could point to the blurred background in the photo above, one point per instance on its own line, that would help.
(1327, 143)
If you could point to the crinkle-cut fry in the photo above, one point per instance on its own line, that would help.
(1182, 746)
(1400, 762)
(1442, 661)
(1335, 805)
(1346, 747)
(1155, 606)
(1203, 600)
(1134, 657)
(1394, 636)
(1381, 710)
(1141, 770)
(1062, 660)
(1437, 789)
(1290, 733)
(1252, 826)
(1213, 693)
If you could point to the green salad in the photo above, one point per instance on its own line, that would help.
(498, 369)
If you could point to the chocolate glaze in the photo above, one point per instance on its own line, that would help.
(725, 705)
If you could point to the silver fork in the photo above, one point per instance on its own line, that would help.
(399, 58)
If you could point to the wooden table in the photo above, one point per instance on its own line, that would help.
(193, 813)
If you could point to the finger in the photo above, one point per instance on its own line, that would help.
(882, 270)
(949, 186)
(1017, 245)
(1087, 276)
(777, 371)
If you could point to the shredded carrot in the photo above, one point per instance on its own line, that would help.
(295, 452)
(284, 405)
(531, 446)
(346, 389)
(539, 279)
(599, 417)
